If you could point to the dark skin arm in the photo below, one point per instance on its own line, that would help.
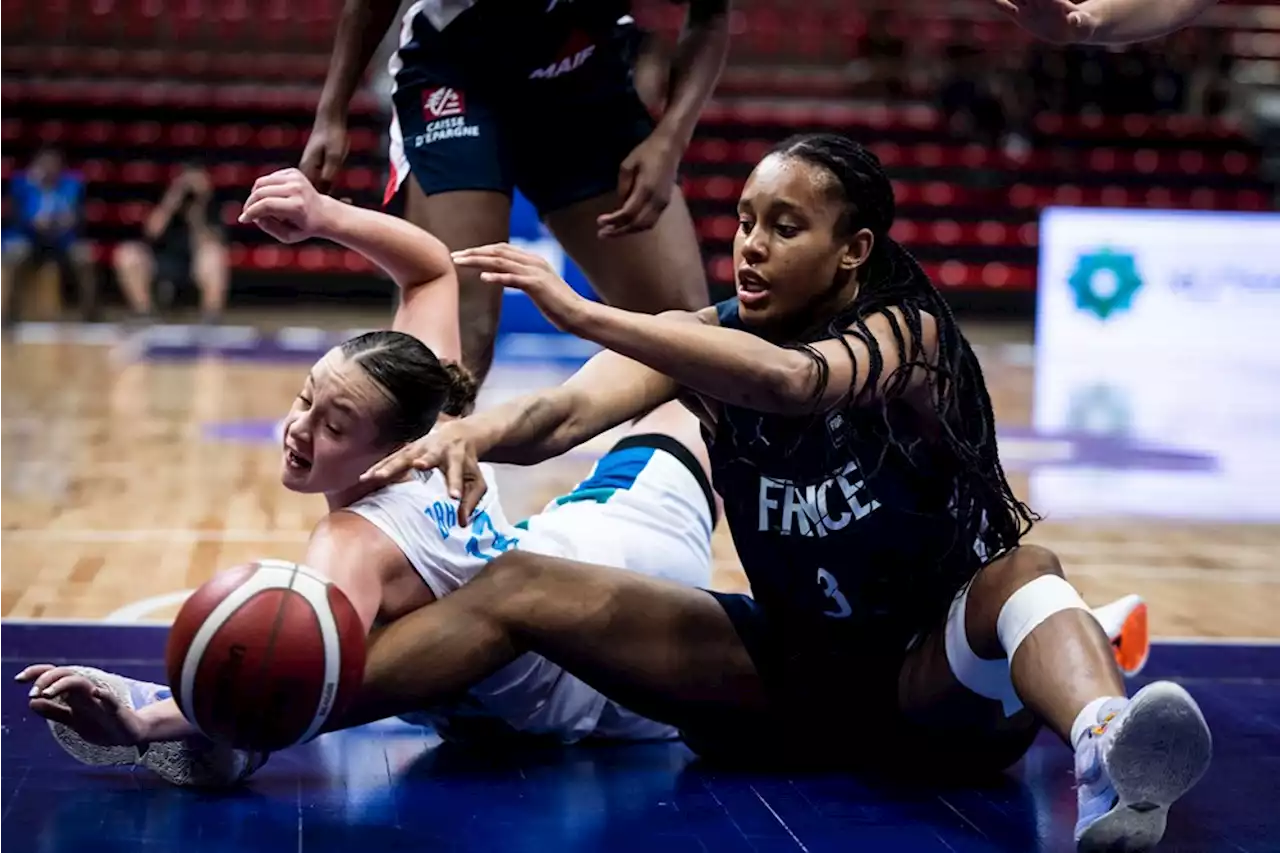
(608, 390)
(647, 176)
(724, 364)
(360, 30)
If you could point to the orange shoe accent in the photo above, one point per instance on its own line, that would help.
(1133, 646)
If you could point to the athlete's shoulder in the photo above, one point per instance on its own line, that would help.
(423, 494)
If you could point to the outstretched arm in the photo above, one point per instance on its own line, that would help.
(288, 207)
(1103, 22)
(609, 390)
(344, 547)
(725, 364)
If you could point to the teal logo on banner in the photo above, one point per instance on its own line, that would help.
(1104, 282)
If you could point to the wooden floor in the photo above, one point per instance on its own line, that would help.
(117, 497)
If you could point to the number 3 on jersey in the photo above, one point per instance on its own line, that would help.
(839, 606)
(481, 525)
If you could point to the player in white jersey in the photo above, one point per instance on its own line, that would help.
(647, 506)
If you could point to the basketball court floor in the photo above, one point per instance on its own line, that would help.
(135, 467)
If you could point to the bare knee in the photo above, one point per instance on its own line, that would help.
(17, 253)
(1004, 576)
(994, 585)
(131, 257)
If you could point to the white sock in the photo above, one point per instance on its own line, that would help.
(1092, 714)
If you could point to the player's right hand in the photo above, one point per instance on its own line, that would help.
(62, 695)
(1055, 21)
(448, 447)
(325, 153)
(288, 207)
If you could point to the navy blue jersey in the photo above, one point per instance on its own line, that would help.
(500, 44)
(839, 530)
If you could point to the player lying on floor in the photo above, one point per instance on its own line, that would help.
(646, 507)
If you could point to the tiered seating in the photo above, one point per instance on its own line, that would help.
(149, 84)
(290, 25)
(969, 212)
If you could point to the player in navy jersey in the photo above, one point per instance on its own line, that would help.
(895, 619)
(538, 95)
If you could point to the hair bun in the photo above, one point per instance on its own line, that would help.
(460, 397)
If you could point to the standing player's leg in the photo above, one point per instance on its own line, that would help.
(462, 220)
(656, 270)
(572, 178)
(450, 165)
(1020, 635)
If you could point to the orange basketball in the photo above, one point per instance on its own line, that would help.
(263, 655)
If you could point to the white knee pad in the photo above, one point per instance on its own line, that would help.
(1030, 604)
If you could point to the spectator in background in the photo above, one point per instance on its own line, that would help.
(885, 55)
(47, 202)
(182, 243)
(970, 94)
(1209, 85)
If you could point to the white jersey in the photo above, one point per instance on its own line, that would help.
(531, 694)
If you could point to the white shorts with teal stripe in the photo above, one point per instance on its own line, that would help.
(645, 506)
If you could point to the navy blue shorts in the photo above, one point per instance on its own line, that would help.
(838, 705)
(557, 133)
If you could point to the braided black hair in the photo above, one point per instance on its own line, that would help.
(983, 503)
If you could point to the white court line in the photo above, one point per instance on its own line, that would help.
(187, 535)
(133, 613)
(171, 535)
(1153, 548)
(153, 625)
(1176, 573)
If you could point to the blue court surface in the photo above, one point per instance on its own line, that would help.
(392, 787)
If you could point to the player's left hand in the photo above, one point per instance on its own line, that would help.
(1055, 21)
(645, 182)
(504, 264)
(287, 206)
(63, 695)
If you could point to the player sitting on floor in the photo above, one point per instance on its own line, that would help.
(896, 619)
(647, 506)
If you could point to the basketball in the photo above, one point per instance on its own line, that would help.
(263, 655)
